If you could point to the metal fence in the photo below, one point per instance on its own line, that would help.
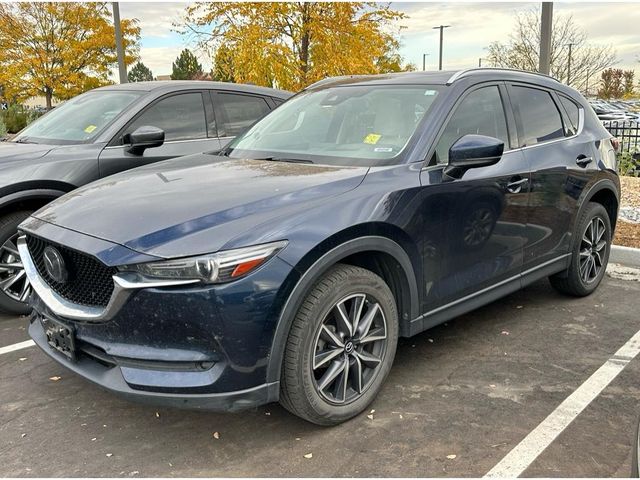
(627, 132)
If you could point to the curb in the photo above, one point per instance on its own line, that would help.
(625, 256)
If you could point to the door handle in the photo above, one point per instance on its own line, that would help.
(515, 186)
(583, 160)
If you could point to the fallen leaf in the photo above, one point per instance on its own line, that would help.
(216, 435)
(308, 455)
(157, 414)
(451, 457)
(504, 332)
(54, 379)
(370, 417)
(23, 435)
(372, 411)
(22, 359)
(109, 454)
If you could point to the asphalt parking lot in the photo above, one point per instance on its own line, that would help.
(458, 399)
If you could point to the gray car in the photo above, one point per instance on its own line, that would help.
(105, 131)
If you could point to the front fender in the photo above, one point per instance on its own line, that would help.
(315, 271)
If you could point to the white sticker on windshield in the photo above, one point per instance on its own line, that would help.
(383, 149)
(430, 93)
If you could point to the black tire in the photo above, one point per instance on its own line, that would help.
(300, 392)
(573, 281)
(8, 231)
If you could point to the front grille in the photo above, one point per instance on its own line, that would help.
(90, 281)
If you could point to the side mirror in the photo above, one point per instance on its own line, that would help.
(473, 151)
(144, 137)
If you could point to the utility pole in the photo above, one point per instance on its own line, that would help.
(122, 69)
(570, 45)
(441, 28)
(480, 62)
(424, 61)
(546, 21)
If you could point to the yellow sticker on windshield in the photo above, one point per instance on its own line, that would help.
(90, 128)
(372, 138)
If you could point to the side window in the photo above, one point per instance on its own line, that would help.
(481, 112)
(540, 117)
(180, 116)
(240, 111)
(572, 112)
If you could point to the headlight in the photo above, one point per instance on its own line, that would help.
(214, 268)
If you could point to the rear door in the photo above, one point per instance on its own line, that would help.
(235, 112)
(561, 162)
(188, 123)
(475, 225)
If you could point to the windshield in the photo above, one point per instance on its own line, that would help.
(346, 125)
(79, 119)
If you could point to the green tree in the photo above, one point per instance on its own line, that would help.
(186, 66)
(140, 73)
(292, 44)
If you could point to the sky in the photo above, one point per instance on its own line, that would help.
(473, 27)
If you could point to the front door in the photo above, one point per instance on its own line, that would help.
(187, 128)
(477, 223)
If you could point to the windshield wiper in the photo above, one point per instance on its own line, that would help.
(283, 159)
(23, 140)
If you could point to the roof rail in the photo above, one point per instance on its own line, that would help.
(462, 73)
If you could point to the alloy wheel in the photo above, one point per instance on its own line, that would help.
(349, 349)
(13, 280)
(592, 250)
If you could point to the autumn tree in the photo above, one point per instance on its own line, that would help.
(292, 44)
(616, 83)
(59, 49)
(186, 66)
(521, 50)
(140, 73)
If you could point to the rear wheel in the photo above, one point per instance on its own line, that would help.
(590, 254)
(340, 347)
(14, 284)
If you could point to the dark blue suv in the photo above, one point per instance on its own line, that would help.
(287, 266)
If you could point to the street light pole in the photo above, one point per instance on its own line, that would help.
(546, 20)
(570, 45)
(441, 28)
(122, 69)
(424, 61)
(480, 62)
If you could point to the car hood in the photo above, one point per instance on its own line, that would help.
(196, 204)
(22, 151)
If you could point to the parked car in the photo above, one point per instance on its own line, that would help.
(285, 268)
(105, 131)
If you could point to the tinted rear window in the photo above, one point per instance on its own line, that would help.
(540, 117)
(572, 110)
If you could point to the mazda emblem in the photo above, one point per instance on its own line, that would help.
(54, 265)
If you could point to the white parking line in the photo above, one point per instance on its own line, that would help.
(524, 454)
(16, 346)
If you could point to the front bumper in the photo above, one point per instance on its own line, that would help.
(113, 379)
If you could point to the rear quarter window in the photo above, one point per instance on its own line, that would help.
(539, 115)
(573, 114)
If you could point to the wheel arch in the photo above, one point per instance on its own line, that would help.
(604, 192)
(376, 251)
(31, 195)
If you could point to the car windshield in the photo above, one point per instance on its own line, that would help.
(346, 125)
(78, 120)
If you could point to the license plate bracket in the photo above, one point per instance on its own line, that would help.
(60, 337)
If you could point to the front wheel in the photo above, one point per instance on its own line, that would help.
(340, 347)
(590, 254)
(14, 284)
